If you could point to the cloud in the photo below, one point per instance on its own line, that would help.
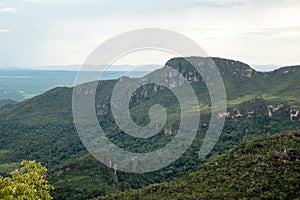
(8, 10)
(63, 32)
(262, 32)
(217, 4)
(32, 0)
(4, 30)
(274, 31)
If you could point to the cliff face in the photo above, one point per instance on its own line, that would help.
(239, 78)
(226, 67)
(242, 83)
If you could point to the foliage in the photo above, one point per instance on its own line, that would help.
(42, 128)
(82, 178)
(264, 168)
(4, 102)
(27, 182)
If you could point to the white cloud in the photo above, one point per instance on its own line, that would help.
(4, 30)
(217, 4)
(32, 0)
(8, 10)
(65, 32)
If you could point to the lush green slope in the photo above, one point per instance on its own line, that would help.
(39, 129)
(264, 168)
(236, 130)
(42, 128)
(83, 178)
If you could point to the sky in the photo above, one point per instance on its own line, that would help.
(38, 33)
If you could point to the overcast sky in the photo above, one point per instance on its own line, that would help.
(56, 32)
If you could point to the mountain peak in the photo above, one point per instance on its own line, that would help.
(220, 62)
(229, 68)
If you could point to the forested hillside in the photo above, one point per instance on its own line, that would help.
(42, 128)
(4, 102)
(263, 168)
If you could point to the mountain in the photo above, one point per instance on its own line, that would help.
(22, 84)
(42, 128)
(4, 102)
(263, 168)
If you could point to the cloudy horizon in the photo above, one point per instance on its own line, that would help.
(39, 33)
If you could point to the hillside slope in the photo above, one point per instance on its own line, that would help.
(264, 168)
(4, 102)
(42, 128)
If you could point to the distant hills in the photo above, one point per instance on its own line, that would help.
(21, 84)
(77, 67)
(42, 128)
(263, 168)
(4, 102)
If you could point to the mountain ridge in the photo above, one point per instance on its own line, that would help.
(42, 128)
(4, 102)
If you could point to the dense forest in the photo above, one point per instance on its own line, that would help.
(264, 168)
(42, 128)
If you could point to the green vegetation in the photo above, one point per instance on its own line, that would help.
(42, 128)
(82, 178)
(4, 102)
(27, 182)
(264, 168)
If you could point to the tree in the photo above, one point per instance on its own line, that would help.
(28, 182)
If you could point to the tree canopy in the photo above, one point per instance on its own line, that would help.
(27, 182)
